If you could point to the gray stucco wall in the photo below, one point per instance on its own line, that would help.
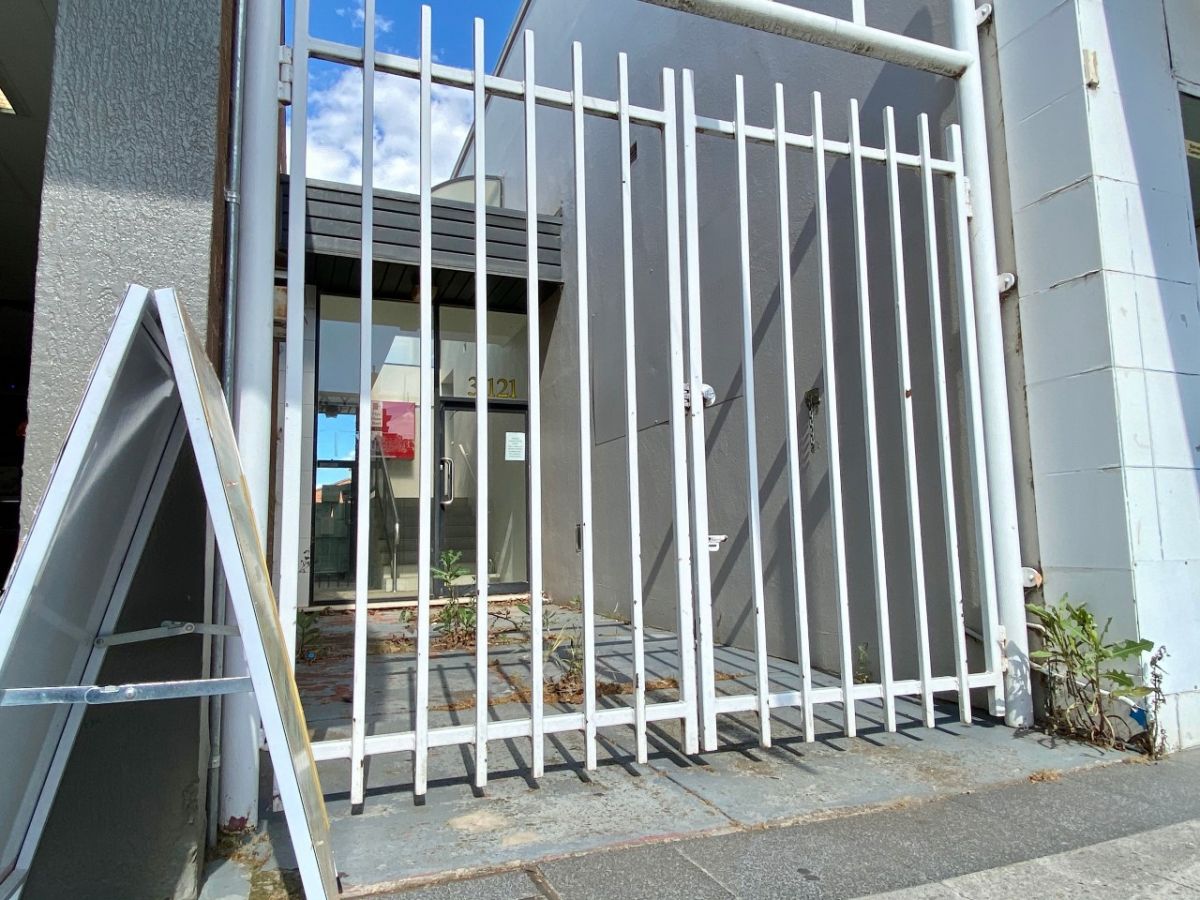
(132, 152)
(655, 38)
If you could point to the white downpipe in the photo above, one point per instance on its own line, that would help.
(1018, 707)
(253, 371)
(852, 35)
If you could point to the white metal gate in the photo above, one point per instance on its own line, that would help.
(699, 704)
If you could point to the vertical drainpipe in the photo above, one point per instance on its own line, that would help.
(232, 222)
(1018, 707)
(252, 369)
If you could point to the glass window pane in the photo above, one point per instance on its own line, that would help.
(508, 354)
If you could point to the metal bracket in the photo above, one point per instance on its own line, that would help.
(983, 14)
(1005, 282)
(285, 75)
(1030, 577)
(165, 630)
(1002, 640)
(708, 396)
(715, 541)
(95, 695)
(968, 195)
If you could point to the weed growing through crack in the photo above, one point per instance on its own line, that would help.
(308, 636)
(1089, 694)
(456, 619)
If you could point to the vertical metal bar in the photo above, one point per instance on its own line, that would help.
(631, 416)
(868, 377)
(695, 358)
(796, 517)
(912, 489)
(362, 510)
(585, 412)
(425, 434)
(833, 434)
(533, 307)
(293, 404)
(945, 453)
(976, 445)
(858, 12)
(753, 511)
(1008, 609)
(682, 522)
(481, 417)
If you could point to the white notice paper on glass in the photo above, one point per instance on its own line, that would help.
(514, 446)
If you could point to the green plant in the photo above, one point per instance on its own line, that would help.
(457, 619)
(1088, 693)
(308, 636)
(562, 643)
(862, 664)
(450, 572)
(1156, 735)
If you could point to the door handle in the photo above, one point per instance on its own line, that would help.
(447, 481)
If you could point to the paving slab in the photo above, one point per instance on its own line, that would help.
(1156, 863)
(659, 872)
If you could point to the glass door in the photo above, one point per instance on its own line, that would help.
(508, 500)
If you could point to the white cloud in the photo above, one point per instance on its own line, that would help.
(335, 130)
(358, 16)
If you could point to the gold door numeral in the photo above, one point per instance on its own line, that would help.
(498, 388)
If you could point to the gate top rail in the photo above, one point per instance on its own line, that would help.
(452, 76)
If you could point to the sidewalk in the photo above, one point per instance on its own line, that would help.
(1122, 830)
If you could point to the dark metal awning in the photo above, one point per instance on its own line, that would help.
(333, 257)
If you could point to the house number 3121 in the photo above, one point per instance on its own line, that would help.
(498, 388)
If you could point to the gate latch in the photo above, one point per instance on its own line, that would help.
(707, 396)
(715, 541)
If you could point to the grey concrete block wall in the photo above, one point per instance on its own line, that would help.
(134, 148)
(655, 38)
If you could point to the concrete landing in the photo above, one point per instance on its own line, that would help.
(396, 843)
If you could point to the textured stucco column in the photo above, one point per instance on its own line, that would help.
(132, 153)
(128, 195)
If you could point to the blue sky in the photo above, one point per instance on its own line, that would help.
(335, 115)
(335, 92)
(398, 25)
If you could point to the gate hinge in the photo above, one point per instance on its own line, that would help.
(969, 197)
(285, 75)
(1002, 640)
(983, 14)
